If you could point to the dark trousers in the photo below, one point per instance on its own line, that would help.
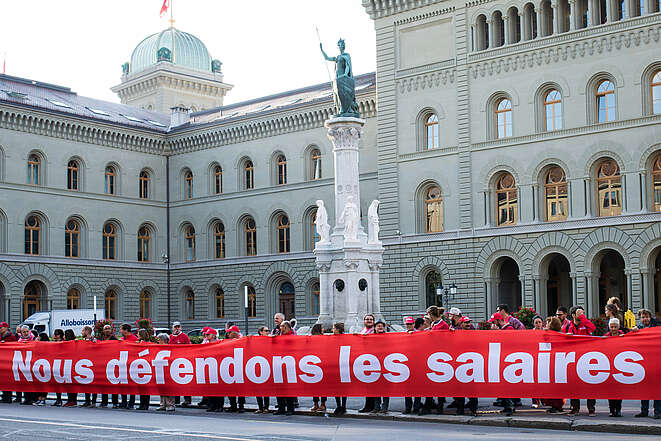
(215, 404)
(576, 404)
(90, 398)
(615, 406)
(411, 403)
(645, 406)
(316, 400)
(381, 403)
(144, 401)
(128, 400)
(462, 404)
(233, 401)
(341, 402)
(286, 404)
(369, 404)
(263, 403)
(72, 398)
(104, 399)
(6, 396)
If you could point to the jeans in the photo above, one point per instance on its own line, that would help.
(645, 406)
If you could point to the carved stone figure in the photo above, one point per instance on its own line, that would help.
(321, 222)
(164, 54)
(373, 222)
(351, 219)
(216, 66)
(125, 68)
(344, 81)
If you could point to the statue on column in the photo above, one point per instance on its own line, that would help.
(373, 223)
(350, 217)
(321, 222)
(344, 81)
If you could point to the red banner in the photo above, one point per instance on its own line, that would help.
(437, 363)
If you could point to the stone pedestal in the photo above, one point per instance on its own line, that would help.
(348, 269)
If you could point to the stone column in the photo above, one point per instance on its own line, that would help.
(325, 296)
(556, 17)
(540, 24)
(609, 12)
(374, 293)
(588, 196)
(574, 287)
(488, 284)
(647, 294)
(536, 202)
(506, 27)
(521, 27)
(538, 295)
(643, 181)
(491, 34)
(344, 133)
(487, 207)
(588, 293)
(572, 15)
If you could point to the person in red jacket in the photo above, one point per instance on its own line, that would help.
(127, 335)
(6, 336)
(436, 316)
(580, 325)
(178, 337)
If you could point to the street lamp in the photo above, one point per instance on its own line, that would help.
(446, 293)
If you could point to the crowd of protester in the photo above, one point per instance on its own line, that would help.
(572, 321)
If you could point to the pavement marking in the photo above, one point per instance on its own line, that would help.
(124, 429)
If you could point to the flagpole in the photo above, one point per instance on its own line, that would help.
(174, 46)
(336, 99)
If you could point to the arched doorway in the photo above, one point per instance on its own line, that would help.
(508, 284)
(657, 285)
(4, 314)
(33, 298)
(287, 299)
(432, 281)
(558, 284)
(612, 280)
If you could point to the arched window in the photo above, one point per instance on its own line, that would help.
(110, 301)
(72, 238)
(109, 241)
(72, 175)
(605, 101)
(32, 235)
(503, 114)
(506, 199)
(34, 164)
(553, 110)
(219, 240)
(73, 299)
(110, 179)
(655, 90)
(433, 210)
(189, 237)
(281, 166)
(143, 184)
(249, 176)
(609, 188)
(250, 231)
(432, 140)
(252, 302)
(656, 182)
(529, 22)
(432, 283)
(145, 304)
(283, 234)
(315, 298)
(144, 244)
(498, 28)
(218, 179)
(220, 303)
(481, 33)
(555, 187)
(31, 301)
(287, 300)
(189, 305)
(315, 164)
(188, 184)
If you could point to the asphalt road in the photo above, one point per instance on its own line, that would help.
(49, 423)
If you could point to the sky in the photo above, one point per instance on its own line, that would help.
(266, 46)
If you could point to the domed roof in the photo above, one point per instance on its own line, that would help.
(188, 51)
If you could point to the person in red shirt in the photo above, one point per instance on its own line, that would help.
(436, 316)
(561, 313)
(6, 336)
(498, 322)
(580, 325)
(615, 406)
(127, 335)
(178, 337)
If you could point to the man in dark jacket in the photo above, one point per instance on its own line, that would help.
(6, 336)
(109, 335)
(647, 321)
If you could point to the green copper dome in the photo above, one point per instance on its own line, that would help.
(188, 51)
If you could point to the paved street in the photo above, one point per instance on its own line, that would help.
(49, 423)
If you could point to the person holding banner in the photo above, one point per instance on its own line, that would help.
(263, 402)
(178, 337)
(381, 404)
(144, 337)
(285, 404)
(107, 335)
(580, 325)
(317, 329)
(88, 335)
(72, 398)
(6, 336)
(498, 322)
(340, 402)
(127, 335)
(615, 406)
(647, 321)
(167, 402)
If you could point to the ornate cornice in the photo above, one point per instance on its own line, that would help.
(426, 80)
(425, 16)
(80, 130)
(249, 128)
(383, 8)
(587, 42)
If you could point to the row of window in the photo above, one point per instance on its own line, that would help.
(35, 175)
(550, 105)
(286, 296)
(552, 17)
(608, 184)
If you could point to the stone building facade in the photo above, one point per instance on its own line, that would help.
(514, 146)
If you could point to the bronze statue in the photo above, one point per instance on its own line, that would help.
(344, 81)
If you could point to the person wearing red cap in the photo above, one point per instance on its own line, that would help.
(6, 336)
(215, 403)
(178, 337)
(409, 323)
(234, 333)
(580, 325)
(498, 323)
(464, 324)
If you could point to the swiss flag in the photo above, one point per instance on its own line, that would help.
(164, 8)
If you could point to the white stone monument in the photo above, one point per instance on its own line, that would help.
(348, 263)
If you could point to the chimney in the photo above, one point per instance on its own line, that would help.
(180, 115)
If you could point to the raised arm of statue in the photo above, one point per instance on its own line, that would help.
(326, 57)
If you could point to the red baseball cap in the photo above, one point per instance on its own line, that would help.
(464, 319)
(4, 325)
(205, 330)
(211, 331)
(495, 316)
(409, 321)
(233, 329)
